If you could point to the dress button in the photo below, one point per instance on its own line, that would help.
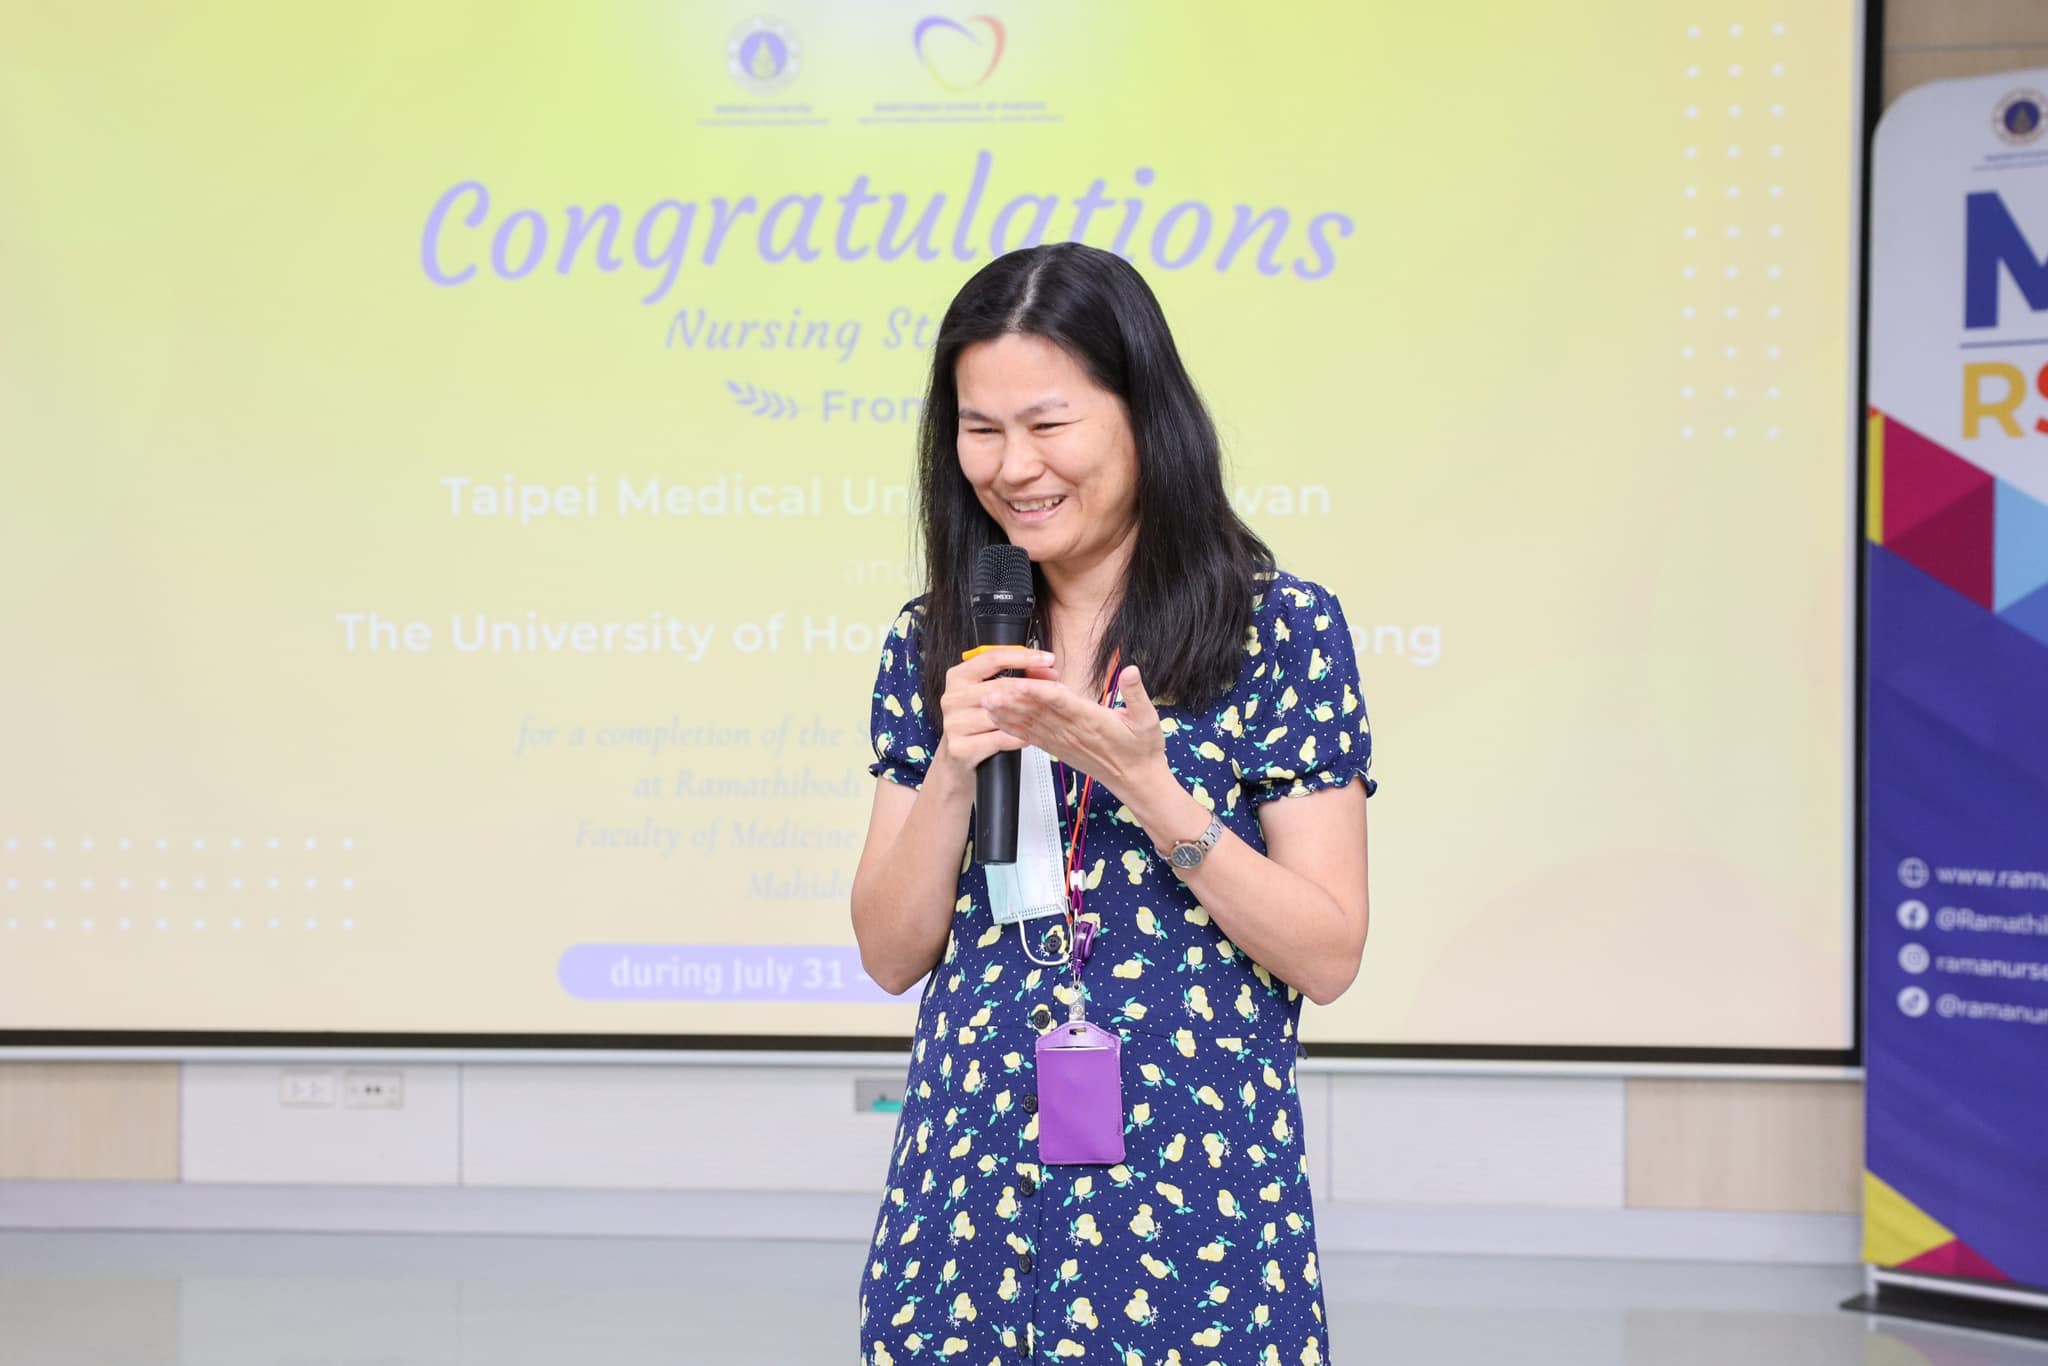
(1030, 1102)
(1026, 1185)
(1024, 1263)
(1041, 1017)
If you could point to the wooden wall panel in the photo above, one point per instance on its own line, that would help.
(1938, 40)
(1905, 70)
(71, 1121)
(1772, 1146)
(1964, 23)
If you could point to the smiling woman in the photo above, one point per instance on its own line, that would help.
(1210, 734)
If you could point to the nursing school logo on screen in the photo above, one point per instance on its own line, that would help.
(2018, 119)
(959, 55)
(763, 55)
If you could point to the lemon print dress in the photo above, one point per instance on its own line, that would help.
(1200, 1247)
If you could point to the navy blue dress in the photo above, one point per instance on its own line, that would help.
(1200, 1247)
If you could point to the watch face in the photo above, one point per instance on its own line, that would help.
(1187, 855)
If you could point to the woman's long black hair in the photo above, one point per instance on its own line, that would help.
(1187, 597)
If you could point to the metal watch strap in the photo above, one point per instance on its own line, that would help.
(1187, 854)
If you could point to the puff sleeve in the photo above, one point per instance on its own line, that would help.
(903, 737)
(1301, 718)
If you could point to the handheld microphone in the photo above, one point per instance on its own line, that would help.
(1003, 605)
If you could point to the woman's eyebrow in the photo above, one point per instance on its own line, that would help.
(1044, 405)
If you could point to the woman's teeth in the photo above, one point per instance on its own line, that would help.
(1040, 505)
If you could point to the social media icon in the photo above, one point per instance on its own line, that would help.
(1913, 873)
(1913, 1003)
(1913, 915)
(1915, 958)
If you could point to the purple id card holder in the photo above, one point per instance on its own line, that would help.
(1080, 1095)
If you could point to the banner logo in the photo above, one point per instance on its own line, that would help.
(959, 57)
(2018, 119)
(763, 55)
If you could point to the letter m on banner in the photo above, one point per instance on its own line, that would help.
(1991, 240)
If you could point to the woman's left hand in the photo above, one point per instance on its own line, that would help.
(1116, 747)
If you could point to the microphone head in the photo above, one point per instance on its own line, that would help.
(1002, 584)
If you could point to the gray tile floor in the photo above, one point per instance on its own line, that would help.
(112, 1299)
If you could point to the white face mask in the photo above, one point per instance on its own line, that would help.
(1035, 885)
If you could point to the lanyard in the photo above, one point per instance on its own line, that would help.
(1077, 847)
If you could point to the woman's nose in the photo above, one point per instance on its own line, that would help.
(1020, 462)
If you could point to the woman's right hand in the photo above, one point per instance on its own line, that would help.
(969, 734)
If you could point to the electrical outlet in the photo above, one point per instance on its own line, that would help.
(373, 1090)
(303, 1089)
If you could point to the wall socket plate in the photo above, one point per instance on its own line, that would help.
(301, 1088)
(373, 1090)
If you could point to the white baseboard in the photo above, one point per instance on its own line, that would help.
(1632, 1234)
(1626, 1234)
(220, 1208)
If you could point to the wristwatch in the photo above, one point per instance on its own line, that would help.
(1187, 854)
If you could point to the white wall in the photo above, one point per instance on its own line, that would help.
(1420, 1162)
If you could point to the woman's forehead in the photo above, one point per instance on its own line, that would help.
(1026, 378)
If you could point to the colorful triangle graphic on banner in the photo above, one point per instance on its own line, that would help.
(1895, 1230)
(1955, 1259)
(1898, 1233)
(2020, 559)
(2030, 614)
(1954, 543)
(1921, 480)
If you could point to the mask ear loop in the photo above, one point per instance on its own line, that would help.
(1024, 938)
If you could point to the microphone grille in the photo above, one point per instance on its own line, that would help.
(1004, 569)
